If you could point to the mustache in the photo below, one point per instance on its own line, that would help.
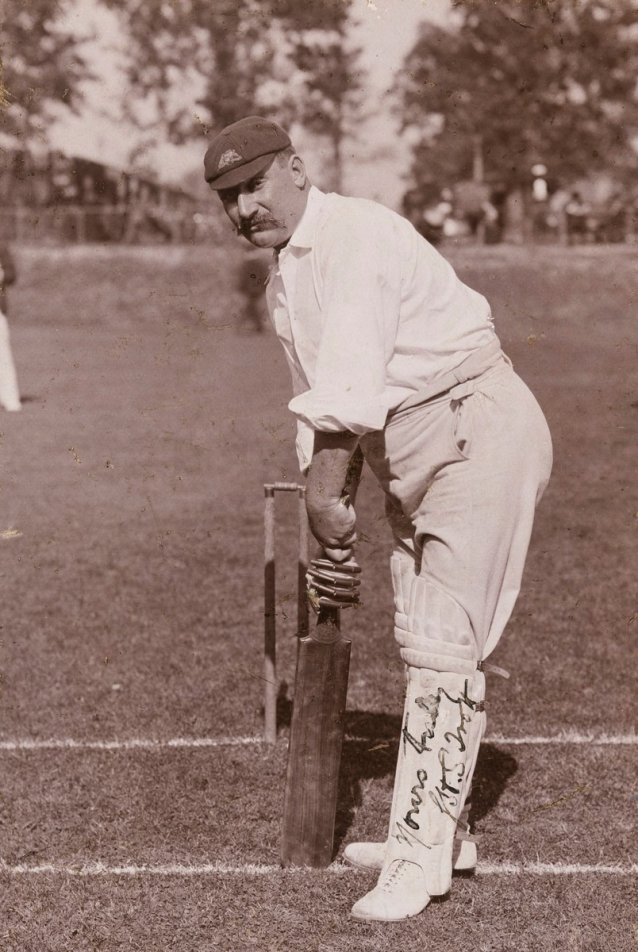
(248, 224)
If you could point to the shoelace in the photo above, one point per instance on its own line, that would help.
(395, 874)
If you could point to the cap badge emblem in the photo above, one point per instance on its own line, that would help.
(227, 158)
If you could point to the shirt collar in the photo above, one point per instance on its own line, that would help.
(304, 234)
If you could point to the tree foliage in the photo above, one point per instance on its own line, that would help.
(41, 65)
(273, 57)
(327, 96)
(527, 81)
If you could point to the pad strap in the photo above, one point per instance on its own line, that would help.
(492, 668)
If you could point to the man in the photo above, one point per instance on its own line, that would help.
(251, 283)
(389, 350)
(9, 391)
(577, 216)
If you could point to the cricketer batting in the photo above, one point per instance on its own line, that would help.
(390, 351)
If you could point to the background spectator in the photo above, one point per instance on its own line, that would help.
(9, 393)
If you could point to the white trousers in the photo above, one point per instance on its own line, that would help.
(462, 475)
(9, 393)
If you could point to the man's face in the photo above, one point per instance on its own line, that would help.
(267, 208)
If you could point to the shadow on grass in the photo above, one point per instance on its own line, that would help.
(367, 726)
(375, 757)
(370, 752)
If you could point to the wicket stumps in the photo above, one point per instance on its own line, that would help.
(270, 620)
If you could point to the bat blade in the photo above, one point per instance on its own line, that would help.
(316, 732)
(316, 737)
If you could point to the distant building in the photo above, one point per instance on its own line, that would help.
(86, 200)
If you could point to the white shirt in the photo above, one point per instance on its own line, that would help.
(368, 313)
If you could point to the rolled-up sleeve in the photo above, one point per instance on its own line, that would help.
(358, 282)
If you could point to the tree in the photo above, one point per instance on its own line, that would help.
(519, 82)
(41, 66)
(274, 57)
(323, 92)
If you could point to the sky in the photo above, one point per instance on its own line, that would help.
(384, 29)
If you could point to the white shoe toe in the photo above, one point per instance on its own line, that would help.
(365, 855)
(399, 894)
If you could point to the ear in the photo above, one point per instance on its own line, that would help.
(298, 171)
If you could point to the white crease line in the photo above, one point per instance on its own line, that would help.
(141, 743)
(254, 869)
(555, 869)
(135, 743)
(567, 737)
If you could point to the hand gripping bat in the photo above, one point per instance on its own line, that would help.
(333, 584)
(316, 732)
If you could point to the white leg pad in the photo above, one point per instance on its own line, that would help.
(431, 628)
(402, 570)
(442, 728)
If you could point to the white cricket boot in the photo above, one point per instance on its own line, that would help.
(399, 894)
(464, 856)
(365, 855)
(370, 855)
(464, 853)
(442, 728)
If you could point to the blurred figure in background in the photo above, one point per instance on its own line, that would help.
(9, 393)
(435, 217)
(611, 225)
(252, 277)
(577, 213)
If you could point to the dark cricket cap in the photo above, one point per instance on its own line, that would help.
(242, 150)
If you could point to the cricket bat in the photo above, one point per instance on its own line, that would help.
(316, 733)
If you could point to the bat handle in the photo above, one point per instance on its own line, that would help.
(328, 628)
(353, 476)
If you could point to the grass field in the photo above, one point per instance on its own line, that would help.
(133, 816)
